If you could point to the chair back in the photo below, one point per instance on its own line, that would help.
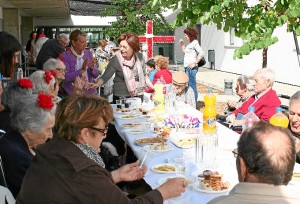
(2, 175)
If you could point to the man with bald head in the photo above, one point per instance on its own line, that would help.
(265, 160)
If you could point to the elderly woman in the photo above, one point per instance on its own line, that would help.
(244, 89)
(180, 88)
(128, 67)
(294, 118)
(58, 66)
(193, 53)
(79, 62)
(32, 120)
(12, 93)
(81, 124)
(265, 99)
(9, 52)
(163, 73)
(45, 82)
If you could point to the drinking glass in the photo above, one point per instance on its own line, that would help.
(145, 156)
(180, 165)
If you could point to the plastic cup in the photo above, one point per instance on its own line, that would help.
(180, 165)
(145, 156)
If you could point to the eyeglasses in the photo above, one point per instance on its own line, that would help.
(103, 131)
(235, 153)
(61, 69)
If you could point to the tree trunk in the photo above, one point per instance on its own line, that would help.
(265, 57)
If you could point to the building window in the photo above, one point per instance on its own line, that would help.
(232, 35)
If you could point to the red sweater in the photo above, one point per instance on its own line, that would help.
(167, 77)
(265, 106)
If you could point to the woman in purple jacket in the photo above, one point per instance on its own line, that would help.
(79, 63)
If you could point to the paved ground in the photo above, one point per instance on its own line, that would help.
(215, 79)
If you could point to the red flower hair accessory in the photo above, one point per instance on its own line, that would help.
(25, 83)
(53, 73)
(45, 101)
(48, 76)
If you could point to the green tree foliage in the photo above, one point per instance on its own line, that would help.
(254, 21)
(132, 16)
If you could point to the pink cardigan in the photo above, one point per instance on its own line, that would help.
(265, 106)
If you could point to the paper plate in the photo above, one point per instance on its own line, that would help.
(197, 188)
(169, 168)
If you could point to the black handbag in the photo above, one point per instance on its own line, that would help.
(202, 62)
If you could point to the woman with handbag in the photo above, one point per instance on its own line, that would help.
(193, 54)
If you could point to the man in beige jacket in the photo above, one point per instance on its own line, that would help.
(265, 160)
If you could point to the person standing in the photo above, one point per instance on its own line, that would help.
(129, 68)
(29, 47)
(79, 62)
(51, 49)
(39, 41)
(193, 53)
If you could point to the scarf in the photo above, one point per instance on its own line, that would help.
(91, 153)
(133, 74)
(79, 60)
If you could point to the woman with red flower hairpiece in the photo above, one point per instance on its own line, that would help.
(31, 125)
(11, 94)
(45, 82)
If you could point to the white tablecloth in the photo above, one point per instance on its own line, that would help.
(227, 141)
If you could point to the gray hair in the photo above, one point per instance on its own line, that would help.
(27, 114)
(62, 36)
(51, 64)
(294, 97)
(39, 82)
(12, 93)
(267, 73)
(244, 82)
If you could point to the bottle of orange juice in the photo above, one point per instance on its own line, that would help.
(159, 98)
(279, 119)
(209, 113)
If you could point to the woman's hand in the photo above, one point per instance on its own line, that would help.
(93, 62)
(84, 66)
(191, 66)
(94, 85)
(128, 172)
(173, 188)
(231, 104)
(80, 83)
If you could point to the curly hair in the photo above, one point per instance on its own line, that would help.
(132, 39)
(161, 62)
(192, 33)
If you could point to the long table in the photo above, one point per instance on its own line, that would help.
(227, 141)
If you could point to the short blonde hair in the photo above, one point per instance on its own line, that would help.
(161, 61)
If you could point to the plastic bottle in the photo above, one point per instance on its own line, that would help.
(249, 118)
(209, 113)
(279, 119)
(159, 98)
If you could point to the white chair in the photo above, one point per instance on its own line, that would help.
(6, 196)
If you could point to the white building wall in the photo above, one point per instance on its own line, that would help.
(282, 56)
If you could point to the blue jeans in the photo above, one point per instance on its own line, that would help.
(192, 79)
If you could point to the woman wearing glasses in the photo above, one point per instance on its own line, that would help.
(68, 169)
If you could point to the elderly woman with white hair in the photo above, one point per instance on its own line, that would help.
(265, 99)
(244, 89)
(58, 66)
(32, 120)
(45, 82)
(12, 93)
(180, 88)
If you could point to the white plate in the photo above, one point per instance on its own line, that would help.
(197, 188)
(177, 144)
(165, 150)
(163, 172)
(189, 179)
(128, 117)
(136, 125)
(137, 131)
